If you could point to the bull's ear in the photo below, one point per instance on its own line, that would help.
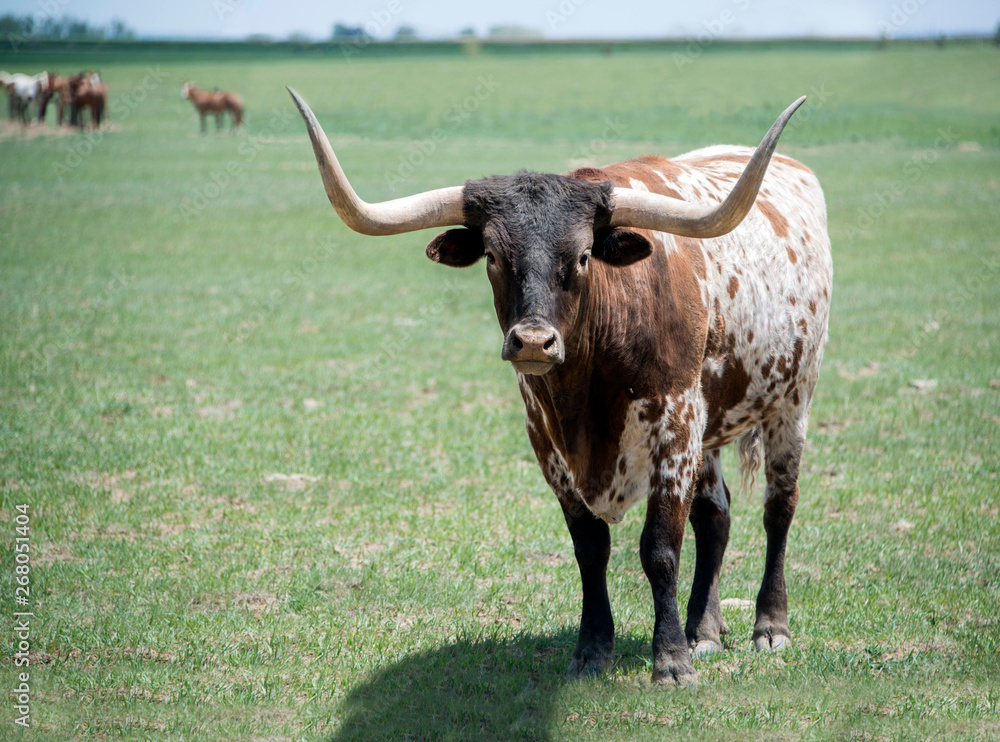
(458, 248)
(621, 246)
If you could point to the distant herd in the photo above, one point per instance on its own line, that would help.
(28, 98)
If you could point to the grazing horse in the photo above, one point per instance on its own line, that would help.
(56, 86)
(214, 101)
(86, 90)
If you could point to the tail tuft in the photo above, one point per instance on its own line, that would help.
(751, 448)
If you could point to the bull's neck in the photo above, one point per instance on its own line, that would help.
(611, 356)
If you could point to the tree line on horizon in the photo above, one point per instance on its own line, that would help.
(15, 28)
(64, 28)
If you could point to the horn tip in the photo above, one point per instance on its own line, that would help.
(295, 96)
(300, 103)
(795, 106)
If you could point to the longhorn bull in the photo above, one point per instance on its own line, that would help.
(654, 311)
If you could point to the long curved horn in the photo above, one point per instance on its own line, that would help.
(643, 210)
(438, 208)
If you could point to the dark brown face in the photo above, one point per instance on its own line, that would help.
(539, 234)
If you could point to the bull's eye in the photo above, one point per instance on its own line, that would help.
(583, 260)
(491, 259)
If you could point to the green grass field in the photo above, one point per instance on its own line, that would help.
(276, 474)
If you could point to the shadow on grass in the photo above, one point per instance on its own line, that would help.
(472, 689)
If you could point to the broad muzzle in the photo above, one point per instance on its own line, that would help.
(533, 348)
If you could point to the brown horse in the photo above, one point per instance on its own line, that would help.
(214, 101)
(57, 86)
(87, 91)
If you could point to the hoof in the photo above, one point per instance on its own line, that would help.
(672, 680)
(774, 643)
(675, 673)
(590, 665)
(706, 648)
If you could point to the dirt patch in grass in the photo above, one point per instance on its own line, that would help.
(15, 130)
(291, 482)
(258, 603)
(221, 411)
(51, 553)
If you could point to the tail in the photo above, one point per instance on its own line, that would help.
(751, 448)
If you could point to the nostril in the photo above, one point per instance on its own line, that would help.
(550, 343)
(516, 344)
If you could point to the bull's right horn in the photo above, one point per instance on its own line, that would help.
(643, 210)
(438, 208)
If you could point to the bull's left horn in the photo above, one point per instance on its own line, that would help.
(643, 210)
(438, 208)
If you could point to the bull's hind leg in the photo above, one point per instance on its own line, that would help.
(710, 520)
(784, 439)
(592, 546)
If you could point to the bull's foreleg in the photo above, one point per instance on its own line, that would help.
(204, 126)
(783, 445)
(710, 520)
(660, 550)
(592, 546)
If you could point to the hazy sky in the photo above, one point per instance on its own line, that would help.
(554, 18)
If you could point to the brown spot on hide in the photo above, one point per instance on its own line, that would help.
(791, 300)
(714, 342)
(729, 157)
(778, 222)
(734, 286)
(765, 370)
(652, 411)
(792, 256)
(592, 174)
(803, 326)
(812, 307)
(790, 162)
(723, 393)
(643, 169)
(797, 356)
